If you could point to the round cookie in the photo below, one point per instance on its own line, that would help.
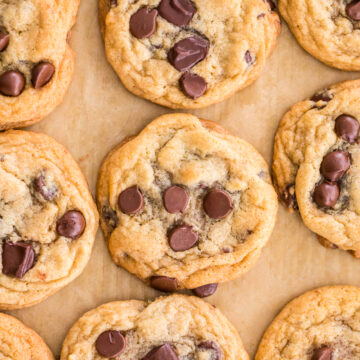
(173, 328)
(327, 29)
(48, 219)
(188, 54)
(36, 62)
(185, 204)
(316, 164)
(322, 324)
(18, 342)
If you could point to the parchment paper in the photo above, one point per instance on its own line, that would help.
(98, 113)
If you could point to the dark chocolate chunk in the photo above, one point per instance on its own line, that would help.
(12, 83)
(347, 127)
(163, 352)
(323, 353)
(193, 85)
(353, 10)
(131, 200)
(143, 22)
(175, 199)
(71, 224)
(42, 74)
(182, 238)
(326, 194)
(177, 12)
(4, 40)
(188, 52)
(334, 165)
(17, 258)
(217, 204)
(164, 283)
(322, 95)
(205, 290)
(110, 343)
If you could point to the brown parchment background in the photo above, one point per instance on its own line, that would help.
(98, 113)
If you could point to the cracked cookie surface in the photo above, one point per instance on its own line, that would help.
(312, 132)
(327, 29)
(227, 203)
(34, 49)
(240, 37)
(322, 324)
(48, 219)
(178, 327)
(18, 342)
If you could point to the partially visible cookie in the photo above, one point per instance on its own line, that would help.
(185, 204)
(322, 324)
(327, 29)
(36, 62)
(176, 327)
(48, 219)
(316, 163)
(18, 342)
(188, 54)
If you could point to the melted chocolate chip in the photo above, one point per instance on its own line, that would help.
(4, 40)
(193, 85)
(110, 343)
(12, 83)
(217, 204)
(131, 200)
(143, 22)
(183, 238)
(164, 283)
(323, 353)
(289, 198)
(42, 74)
(110, 217)
(334, 165)
(326, 194)
(353, 10)
(321, 96)
(205, 290)
(71, 224)
(271, 4)
(17, 258)
(113, 3)
(177, 12)
(163, 352)
(188, 52)
(175, 199)
(46, 192)
(211, 345)
(248, 58)
(347, 127)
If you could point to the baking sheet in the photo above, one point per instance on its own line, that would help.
(98, 113)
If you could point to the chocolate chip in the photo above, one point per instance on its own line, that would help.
(12, 83)
(175, 199)
(353, 10)
(271, 4)
(188, 52)
(113, 3)
(17, 258)
(131, 200)
(347, 127)
(163, 352)
(205, 290)
(4, 40)
(110, 343)
(42, 74)
(164, 283)
(178, 12)
(217, 204)
(182, 238)
(334, 165)
(110, 217)
(71, 224)
(211, 345)
(326, 194)
(289, 198)
(322, 95)
(46, 192)
(193, 85)
(323, 353)
(248, 58)
(143, 22)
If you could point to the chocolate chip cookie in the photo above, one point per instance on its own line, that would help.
(48, 219)
(185, 204)
(36, 62)
(327, 29)
(188, 53)
(176, 327)
(322, 324)
(316, 164)
(18, 342)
